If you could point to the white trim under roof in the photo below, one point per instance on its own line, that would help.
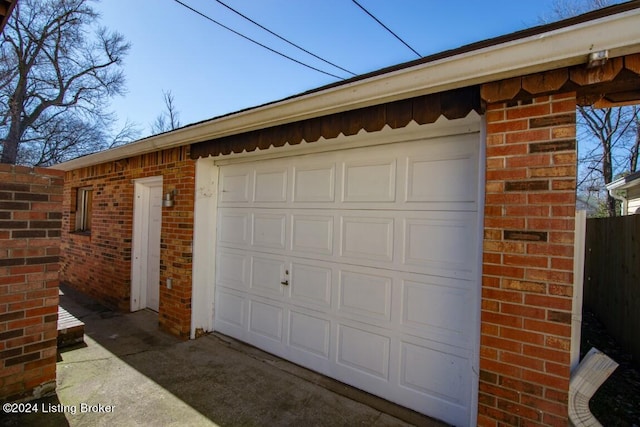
(618, 33)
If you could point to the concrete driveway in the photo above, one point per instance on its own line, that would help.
(130, 373)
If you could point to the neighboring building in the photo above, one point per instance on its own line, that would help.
(627, 190)
(409, 232)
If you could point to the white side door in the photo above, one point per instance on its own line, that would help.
(147, 225)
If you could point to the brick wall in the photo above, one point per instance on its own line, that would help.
(30, 218)
(528, 262)
(99, 263)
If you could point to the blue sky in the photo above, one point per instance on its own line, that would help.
(211, 71)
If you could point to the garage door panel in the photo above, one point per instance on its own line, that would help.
(444, 321)
(441, 387)
(369, 181)
(233, 269)
(269, 230)
(235, 185)
(363, 351)
(311, 285)
(270, 186)
(453, 174)
(267, 274)
(234, 228)
(367, 238)
(266, 320)
(309, 333)
(312, 234)
(314, 183)
(230, 310)
(443, 377)
(367, 295)
(441, 246)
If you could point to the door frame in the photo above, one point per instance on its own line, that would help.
(139, 252)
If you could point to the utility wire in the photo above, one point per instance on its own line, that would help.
(284, 39)
(256, 42)
(386, 28)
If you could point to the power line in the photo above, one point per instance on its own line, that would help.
(284, 39)
(256, 42)
(386, 28)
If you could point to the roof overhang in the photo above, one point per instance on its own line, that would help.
(523, 53)
(625, 182)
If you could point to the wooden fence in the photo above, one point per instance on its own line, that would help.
(612, 277)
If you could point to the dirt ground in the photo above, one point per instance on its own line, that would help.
(617, 401)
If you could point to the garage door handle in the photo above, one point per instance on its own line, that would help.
(286, 283)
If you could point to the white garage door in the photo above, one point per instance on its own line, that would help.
(361, 264)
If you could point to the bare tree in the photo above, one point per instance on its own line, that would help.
(56, 75)
(168, 119)
(608, 148)
(608, 138)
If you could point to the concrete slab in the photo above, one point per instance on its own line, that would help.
(130, 373)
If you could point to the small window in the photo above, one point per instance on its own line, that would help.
(83, 209)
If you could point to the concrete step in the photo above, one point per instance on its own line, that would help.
(70, 329)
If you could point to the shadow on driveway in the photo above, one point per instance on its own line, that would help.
(130, 373)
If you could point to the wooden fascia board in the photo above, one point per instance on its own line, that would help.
(567, 46)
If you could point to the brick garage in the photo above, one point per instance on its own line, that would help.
(30, 218)
(99, 263)
(527, 87)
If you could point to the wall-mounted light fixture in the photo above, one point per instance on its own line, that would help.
(597, 59)
(169, 198)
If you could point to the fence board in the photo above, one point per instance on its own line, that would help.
(612, 277)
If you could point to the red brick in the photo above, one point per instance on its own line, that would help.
(559, 369)
(547, 327)
(562, 198)
(523, 310)
(548, 302)
(528, 135)
(507, 150)
(525, 111)
(527, 211)
(526, 261)
(501, 344)
(496, 391)
(529, 160)
(494, 127)
(506, 174)
(502, 295)
(557, 396)
(555, 171)
(504, 222)
(503, 271)
(502, 319)
(501, 368)
(550, 224)
(550, 249)
(544, 405)
(522, 386)
(519, 410)
(544, 353)
(551, 381)
(535, 287)
(524, 361)
(549, 275)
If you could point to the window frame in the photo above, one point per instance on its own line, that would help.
(84, 209)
